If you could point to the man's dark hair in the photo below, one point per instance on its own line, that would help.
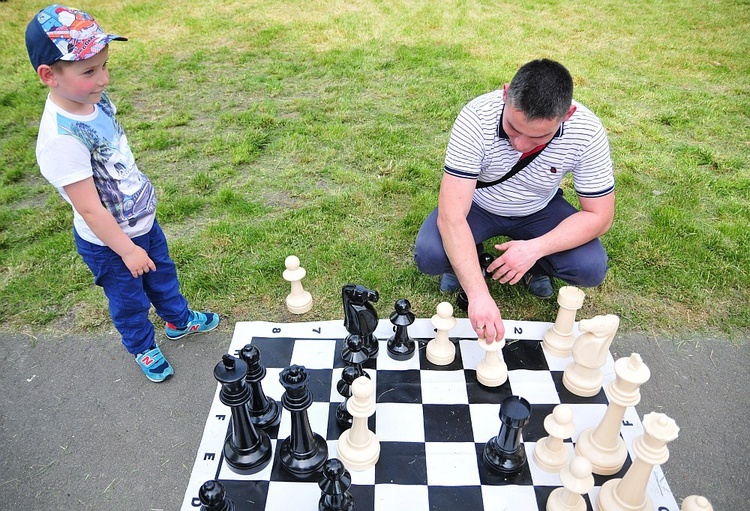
(541, 89)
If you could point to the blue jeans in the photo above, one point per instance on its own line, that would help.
(583, 266)
(130, 298)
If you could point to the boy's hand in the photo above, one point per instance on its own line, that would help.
(138, 262)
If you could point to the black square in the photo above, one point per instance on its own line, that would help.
(276, 352)
(319, 383)
(452, 498)
(491, 477)
(479, 394)
(456, 365)
(567, 397)
(534, 430)
(525, 355)
(398, 387)
(364, 497)
(447, 423)
(244, 494)
(401, 462)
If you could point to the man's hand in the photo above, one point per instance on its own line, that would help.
(485, 318)
(138, 262)
(517, 258)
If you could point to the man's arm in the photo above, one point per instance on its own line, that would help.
(593, 220)
(454, 203)
(86, 201)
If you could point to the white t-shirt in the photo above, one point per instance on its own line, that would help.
(480, 149)
(71, 148)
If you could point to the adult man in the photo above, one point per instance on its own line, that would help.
(534, 132)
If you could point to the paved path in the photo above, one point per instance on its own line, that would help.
(81, 428)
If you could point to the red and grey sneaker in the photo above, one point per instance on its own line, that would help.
(198, 322)
(154, 365)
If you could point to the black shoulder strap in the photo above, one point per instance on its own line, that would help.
(522, 162)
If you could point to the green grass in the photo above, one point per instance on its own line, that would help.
(319, 129)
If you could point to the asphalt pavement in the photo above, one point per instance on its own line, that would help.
(81, 428)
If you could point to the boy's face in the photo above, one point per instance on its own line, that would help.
(77, 86)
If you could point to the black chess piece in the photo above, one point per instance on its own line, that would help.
(400, 345)
(264, 411)
(505, 453)
(360, 317)
(303, 452)
(344, 388)
(213, 497)
(485, 259)
(334, 486)
(246, 449)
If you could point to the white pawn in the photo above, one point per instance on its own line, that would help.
(298, 301)
(576, 480)
(440, 350)
(492, 370)
(583, 376)
(358, 447)
(558, 340)
(696, 503)
(550, 452)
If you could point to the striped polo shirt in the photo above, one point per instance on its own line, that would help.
(480, 149)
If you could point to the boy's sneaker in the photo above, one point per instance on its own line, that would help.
(197, 322)
(539, 285)
(449, 283)
(154, 365)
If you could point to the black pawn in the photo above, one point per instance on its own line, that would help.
(264, 411)
(335, 487)
(303, 452)
(246, 449)
(485, 259)
(505, 453)
(344, 388)
(400, 345)
(213, 497)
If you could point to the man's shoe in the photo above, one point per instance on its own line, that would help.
(198, 322)
(154, 365)
(539, 285)
(449, 283)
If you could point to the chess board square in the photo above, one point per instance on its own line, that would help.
(534, 386)
(479, 394)
(510, 497)
(364, 498)
(485, 421)
(586, 416)
(447, 423)
(451, 464)
(390, 497)
(398, 386)
(314, 353)
(525, 355)
(557, 363)
(280, 493)
(399, 422)
(402, 462)
(491, 477)
(534, 430)
(319, 383)
(252, 492)
(274, 352)
(452, 498)
(385, 362)
(471, 353)
(444, 387)
(567, 396)
(538, 474)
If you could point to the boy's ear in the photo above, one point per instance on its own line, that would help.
(46, 75)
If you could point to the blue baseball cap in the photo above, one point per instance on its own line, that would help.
(64, 33)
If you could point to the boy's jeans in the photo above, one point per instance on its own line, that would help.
(583, 266)
(130, 298)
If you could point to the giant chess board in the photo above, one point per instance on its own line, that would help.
(432, 423)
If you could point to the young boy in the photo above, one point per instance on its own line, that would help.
(84, 153)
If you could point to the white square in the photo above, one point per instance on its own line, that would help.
(387, 363)
(510, 497)
(539, 476)
(485, 421)
(317, 414)
(471, 353)
(390, 497)
(399, 422)
(586, 416)
(537, 387)
(444, 387)
(304, 495)
(271, 384)
(557, 363)
(451, 464)
(314, 354)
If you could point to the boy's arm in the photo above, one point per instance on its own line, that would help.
(86, 201)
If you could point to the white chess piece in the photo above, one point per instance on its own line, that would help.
(558, 340)
(696, 503)
(576, 480)
(358, 447)
(440, 350)
(298, 301)
(629, 493)
(583, 376)
(550, 452)
(603, 445)
(492, 370)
